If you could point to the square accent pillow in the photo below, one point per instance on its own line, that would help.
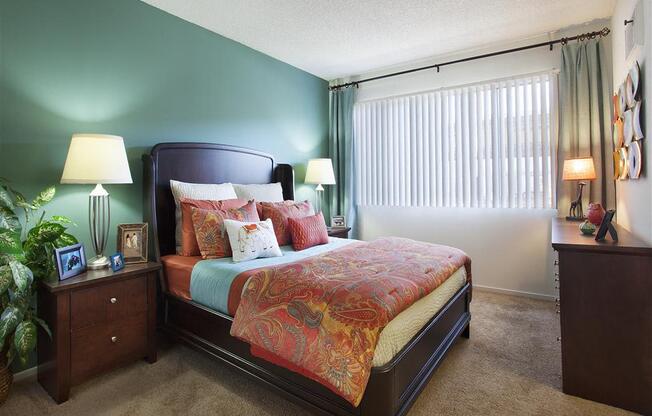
(209, 228)
(308, 231)
(251, 240)
(189, 245)
(265, 192)
(213, 191)
(279, 212)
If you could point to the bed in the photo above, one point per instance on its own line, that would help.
(396, 378)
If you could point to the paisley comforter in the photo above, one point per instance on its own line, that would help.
(322, 316)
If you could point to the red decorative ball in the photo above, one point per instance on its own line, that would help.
(596, 213)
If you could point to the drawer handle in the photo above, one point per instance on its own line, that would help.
(114, 339)
(113, 300)
(556, 262)
(558, 339)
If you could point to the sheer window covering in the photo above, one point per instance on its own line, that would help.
(483, 145)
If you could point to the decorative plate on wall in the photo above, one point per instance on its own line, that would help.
(618, 133)
(616, 157)
(629, 127)
(635, 160)
(636, 121)
(616, 104)
(622, 96)
(633, 84)
(623, 163)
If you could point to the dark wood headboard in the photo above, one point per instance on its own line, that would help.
(200, 163)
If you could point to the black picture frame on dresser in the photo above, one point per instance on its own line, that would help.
(392, 388)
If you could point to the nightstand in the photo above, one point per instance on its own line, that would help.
(340, 232)
(99, 320)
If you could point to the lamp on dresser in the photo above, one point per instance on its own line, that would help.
(320, 172)
(97, 159)
(581, 169)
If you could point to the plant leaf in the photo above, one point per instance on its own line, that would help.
(44, 197)
(46, 232)
(8, 321)
(6, 278)
(23, 276)
(25, 339)
(8, 219)
(5, 198)
(45, 326)
(65, 239)
(10, 242)
(62, 220)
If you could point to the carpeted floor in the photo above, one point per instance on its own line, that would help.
(511, 365)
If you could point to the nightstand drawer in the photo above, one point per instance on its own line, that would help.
(102, 347)
(108, 303)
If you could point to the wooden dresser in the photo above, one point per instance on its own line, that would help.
(605, 305)
(99, 320)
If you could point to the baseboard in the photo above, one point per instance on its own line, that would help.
(26, 375)
(513, 292)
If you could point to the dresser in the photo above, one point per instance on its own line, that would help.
(605, 306)
(99, 320)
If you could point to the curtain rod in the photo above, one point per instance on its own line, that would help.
(581, 37)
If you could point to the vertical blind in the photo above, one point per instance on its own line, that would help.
(484, 145)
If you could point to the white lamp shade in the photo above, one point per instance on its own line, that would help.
(581, 169)
(96, 159)
(320, 172)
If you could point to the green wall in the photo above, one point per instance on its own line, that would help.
(123, 67)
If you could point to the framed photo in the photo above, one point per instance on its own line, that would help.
(117, 261)
(607, 226)
(71, 261)
(338, 221)
(132, 242)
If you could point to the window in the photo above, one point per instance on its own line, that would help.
(484, 145)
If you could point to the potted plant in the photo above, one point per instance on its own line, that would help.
(27, 243)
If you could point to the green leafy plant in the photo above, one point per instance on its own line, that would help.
(27, 243)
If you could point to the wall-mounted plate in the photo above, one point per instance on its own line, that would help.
(622, 98)
(618, 133)
(623, 163)
(616, 157)
(618, 112)
(634, 84)
(635, 159)
(636, 121)
(629, 127)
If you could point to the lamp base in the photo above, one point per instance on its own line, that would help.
(98, 262)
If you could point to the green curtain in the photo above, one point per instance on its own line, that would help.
(340, 150)
(585, 121)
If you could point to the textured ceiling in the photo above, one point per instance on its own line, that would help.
(338, 38)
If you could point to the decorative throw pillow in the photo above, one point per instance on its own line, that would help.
(251, 240)
(308, 231)
(266, 192)
(279, 212)
(209, 228)
(213, 191)
(189, 245)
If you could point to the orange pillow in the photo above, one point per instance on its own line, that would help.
(189, 245)
(279, 212)
(308, 231)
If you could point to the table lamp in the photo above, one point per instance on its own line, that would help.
(580, 169)
(97, 159)
(320, 172)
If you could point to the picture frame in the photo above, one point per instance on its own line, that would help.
(338, 221)
(132, 242)
(607, 226)
(71, 261)
(117, 261)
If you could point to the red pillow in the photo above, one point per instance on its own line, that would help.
(189, 245)
(308, 231)
(279, 212)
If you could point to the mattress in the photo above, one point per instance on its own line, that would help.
(210, 282)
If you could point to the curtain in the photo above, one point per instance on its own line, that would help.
(340, 150)
(489, 145)
(585, 121)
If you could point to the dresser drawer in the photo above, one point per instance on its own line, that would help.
(103, 347)
(108, 303)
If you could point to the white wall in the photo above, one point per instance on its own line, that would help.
(634, 207)
(510, 248)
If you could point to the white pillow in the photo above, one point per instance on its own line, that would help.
(268, 192)
(251, 240)
(211, 191)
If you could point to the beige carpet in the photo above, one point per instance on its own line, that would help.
(511, 365)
